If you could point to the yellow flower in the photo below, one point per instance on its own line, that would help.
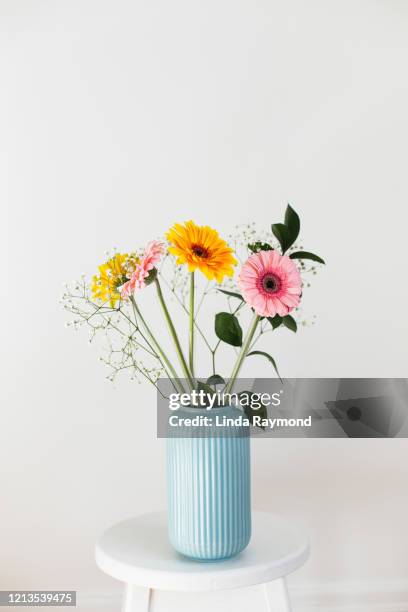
(201, 247)
(112, 275)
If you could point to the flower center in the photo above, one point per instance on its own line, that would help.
(200, 251)
(271, 283)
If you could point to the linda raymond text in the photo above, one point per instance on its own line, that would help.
(240, 421)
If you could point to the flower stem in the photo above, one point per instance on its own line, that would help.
(191, 326)
(174, 335)
(242, 354)
(157, 346)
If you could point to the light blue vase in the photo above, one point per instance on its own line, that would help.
(209, 496)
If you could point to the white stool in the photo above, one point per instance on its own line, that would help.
(137, 552)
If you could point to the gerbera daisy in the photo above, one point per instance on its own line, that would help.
(143, 269)
(270, 283)
(200, 247)
(112, 275)
(152, 254)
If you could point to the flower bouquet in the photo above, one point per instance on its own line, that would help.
(208, 477)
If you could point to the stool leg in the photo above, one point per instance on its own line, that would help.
(136, 599)
(277, 596)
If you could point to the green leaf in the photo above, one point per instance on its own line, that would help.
(248, 410)
(201, 386)
(232, 294)
(306, 255)
(287, 232)
(268, 357)
(215, 379)
(290, 323)
(292, 222)
(255, 247)
(283, 235)
(228, 328)
(275, 321)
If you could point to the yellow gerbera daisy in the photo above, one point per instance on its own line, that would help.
(201, 247)
(112, 275)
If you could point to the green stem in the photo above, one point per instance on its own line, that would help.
(187, 311)
(157, 346)
(191, 326)
(242, 353)
(173, 334)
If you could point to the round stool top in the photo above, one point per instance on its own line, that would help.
(137, 551)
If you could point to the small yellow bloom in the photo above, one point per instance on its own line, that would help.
(112, 275)
(200, 247)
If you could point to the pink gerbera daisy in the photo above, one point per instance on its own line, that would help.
(148, 261)
(152, 254)
(270, 283)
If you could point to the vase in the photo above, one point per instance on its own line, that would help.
(208, 476)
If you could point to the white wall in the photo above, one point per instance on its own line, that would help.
(119, 118)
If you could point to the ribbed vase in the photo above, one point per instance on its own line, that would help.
(209, 505)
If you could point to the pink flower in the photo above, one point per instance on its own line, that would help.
(152, 254)
(270, 283)
(136, 281)
(148, 261)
